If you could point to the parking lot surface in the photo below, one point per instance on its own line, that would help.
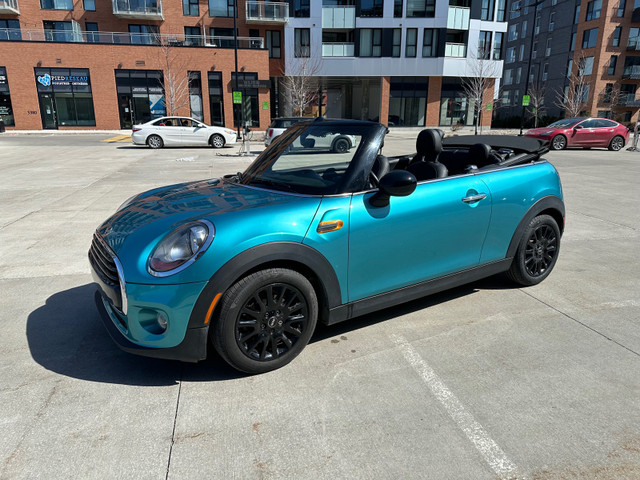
(481, 382)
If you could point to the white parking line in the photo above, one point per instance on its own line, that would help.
(489, 449)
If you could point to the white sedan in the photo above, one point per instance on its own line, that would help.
(181, 131)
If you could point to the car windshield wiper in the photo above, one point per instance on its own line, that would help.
(270, 183)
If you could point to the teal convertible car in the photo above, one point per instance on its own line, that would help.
(310, 233)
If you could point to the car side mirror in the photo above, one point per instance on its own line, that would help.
(578, 127)
(398, 183)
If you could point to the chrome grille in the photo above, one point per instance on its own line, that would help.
(102, 260)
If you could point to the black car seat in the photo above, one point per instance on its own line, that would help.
(380, 168)
(425, 165)
(481, 155)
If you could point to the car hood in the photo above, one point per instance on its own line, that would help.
(154, 213)
(538, 131)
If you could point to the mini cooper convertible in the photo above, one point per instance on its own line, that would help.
(309, 234)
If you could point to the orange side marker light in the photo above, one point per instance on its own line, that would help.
(207, 319)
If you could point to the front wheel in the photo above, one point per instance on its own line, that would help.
(616, 143)
(559, 142)
(265, 320)
(154, 141)
(341, 145)
(217, 141)
(537, 252)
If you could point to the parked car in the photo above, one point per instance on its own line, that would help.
(254, 260)
(278, 126)
(181, 131)
(583, 132)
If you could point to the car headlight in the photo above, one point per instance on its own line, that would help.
(180, 248)
(548, 132)
(229, 132)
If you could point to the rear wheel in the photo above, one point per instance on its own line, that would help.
(216, 141)
(154, 141)
(266, 319)
(341, 145)
(537, 251)
(559, 142)
(616, 143)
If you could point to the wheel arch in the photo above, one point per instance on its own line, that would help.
(550, 205)
(295, 256)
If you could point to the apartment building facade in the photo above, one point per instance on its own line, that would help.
(585, 50)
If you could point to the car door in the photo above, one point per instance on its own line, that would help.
(437, 230)
(170, 131)
(192, 132)
(605, 131)
(584, 134)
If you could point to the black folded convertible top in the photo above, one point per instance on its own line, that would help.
(521, 144)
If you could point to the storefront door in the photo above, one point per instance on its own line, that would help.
(126, 114)
(47, 111)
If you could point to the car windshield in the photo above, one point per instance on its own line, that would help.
(309, 158)
(566, 123)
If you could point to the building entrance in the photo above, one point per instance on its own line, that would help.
(48, 112)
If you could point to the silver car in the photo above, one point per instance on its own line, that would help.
(279, 125)
(181, 131)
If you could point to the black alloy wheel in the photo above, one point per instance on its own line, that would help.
(266, 319)
(559, 142)
(341, 145)
(537, 252)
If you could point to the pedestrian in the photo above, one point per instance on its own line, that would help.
(636, 134)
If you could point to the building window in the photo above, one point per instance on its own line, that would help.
(412, 42)
(523, 32)
(397, 42)
(590, 38)
(91, 29)
(521, 53)
(497, 45)
(249, 111)
(140, 96)
(193, 36)
(511, 55)
(552, 21)
(515, 10)
(371, 8)
(216, 105)
(89, 5)
(586, 66)
(10, 30)
(518, 74)
(408, 101)
(57, 4)
(273, 43)
(370, 42)
(62, 31)
(570, 68)
(608, 90)
(508, 77)
(221, 8)
(430, 43)
(65, 97)
(484, 45)
(455, 108)
(222, 37)
(613, 61)
(576, 14)
(397, 8)
(502, 8)
(6, 110)
(536, 25)
(593, 9)
(545, 72)
(634, 39)
(190, 8)
(616, 36)
(513, 32)
(302, 8)
(302, 39)
(572, 47)
(486, 10)
(144, 34)
(534, 50)
(621, 7)
(547, 51)
(195, 95)
(421, 8)
(506, 98)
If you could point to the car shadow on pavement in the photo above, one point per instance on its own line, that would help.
(66, 336)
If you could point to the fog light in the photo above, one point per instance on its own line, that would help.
(163, 321)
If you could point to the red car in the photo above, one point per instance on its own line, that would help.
(583, 132)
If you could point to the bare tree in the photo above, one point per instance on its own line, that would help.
(175, 82)
(536, 103)
(574, 98)
(300, 84)
(612, 97)
(482, 73)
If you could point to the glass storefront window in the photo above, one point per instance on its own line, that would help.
(408, 101)
(455, 109)
(6, 111)
(195, 96)
(250, 113)
(215, 99)
(140, 96)
(65, 97)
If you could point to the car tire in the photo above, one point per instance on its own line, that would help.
(616, 143)
(265, 320)
(155, 141)
(537, 252)
(217, 141)
(341, 145)
(559, 142)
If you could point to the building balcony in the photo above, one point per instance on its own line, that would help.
(138, 9)
(629, 100)
(458, 18)
(455, 50)
(631, 72)
(633, 45)
(267, 12)
(338, 49)
(9, 7)
(339, 17)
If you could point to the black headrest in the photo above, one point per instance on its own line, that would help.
(429, 143)
(479, 153)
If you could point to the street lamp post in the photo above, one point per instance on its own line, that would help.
(526, 82)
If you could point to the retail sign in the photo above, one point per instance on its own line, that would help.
(237, 97)
(265, 105)
(526, 100)
(47, 80)
(253, 83)
(489, 106)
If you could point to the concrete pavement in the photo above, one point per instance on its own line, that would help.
(484, 381)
